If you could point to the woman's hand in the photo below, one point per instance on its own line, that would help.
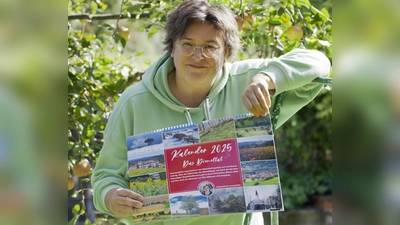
(120, 201)
(256, 98)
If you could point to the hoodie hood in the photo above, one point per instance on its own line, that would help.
(155, 80)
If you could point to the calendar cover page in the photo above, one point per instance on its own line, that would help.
(221, 166)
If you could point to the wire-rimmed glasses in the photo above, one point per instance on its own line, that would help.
(188, 48)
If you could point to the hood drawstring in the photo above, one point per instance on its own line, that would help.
(207, 112)
(188, 117)
(207, 108)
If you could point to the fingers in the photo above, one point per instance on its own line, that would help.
(256, 98)
(121, 201)
(129, 195)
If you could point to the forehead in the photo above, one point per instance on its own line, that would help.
(202, 32)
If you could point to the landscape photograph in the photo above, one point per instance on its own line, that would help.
(146, 163)
(181, 135)
(217, 129)
(249, 125)
(188, 204)
(256, 148)
(149, 184)
(154, 208)
(262, 172)
(263, 198)
(142, 144)
(227, 200)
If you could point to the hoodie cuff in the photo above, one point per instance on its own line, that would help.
(103, 199)
(278, 77)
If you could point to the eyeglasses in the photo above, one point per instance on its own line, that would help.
(208, 50)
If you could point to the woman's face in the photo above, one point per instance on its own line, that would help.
(196, 68)
(206, 188)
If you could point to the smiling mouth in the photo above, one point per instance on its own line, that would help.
(197, 66)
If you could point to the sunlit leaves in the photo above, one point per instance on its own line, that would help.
(152, 31)
(305, 3)
(265, 34)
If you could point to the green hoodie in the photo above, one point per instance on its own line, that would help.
(149, 105)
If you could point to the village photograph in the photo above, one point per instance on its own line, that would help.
(263, 198)
(154, 208)
(256, 148)
(217, 129)
(263, 172)
(181, 135)
(249, 125)
(227, 200)
(188, 204)
(146, 163)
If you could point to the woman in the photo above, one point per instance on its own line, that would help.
(192, 82)
(207, 190)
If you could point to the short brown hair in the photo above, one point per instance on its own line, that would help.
(189, 11)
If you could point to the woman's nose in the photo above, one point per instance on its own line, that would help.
(197, 54)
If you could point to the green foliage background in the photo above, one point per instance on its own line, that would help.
(101, 65)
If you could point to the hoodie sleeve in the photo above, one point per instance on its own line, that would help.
(111, 167)
(293, 72)
(297, 68)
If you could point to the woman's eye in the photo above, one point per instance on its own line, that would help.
(210, 47)
(187, 44)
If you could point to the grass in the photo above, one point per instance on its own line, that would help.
(184, 215)
(222, 132)
(242, 133)
(272, 181)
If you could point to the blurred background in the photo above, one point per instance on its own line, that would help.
(103, 60)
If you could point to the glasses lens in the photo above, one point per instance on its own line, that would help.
(209, 50)
(186, 48)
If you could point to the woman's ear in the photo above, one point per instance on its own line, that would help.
(225, 56)
(173, 49)
(172, 52)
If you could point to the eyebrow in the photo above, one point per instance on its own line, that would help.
(207, 41)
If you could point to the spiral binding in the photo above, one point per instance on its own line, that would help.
(188, 125)
(179, 127)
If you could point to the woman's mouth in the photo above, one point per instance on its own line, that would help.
(197, 66)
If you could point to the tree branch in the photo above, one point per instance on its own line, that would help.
(86, 16)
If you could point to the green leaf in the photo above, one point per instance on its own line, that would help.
(100, 104)
(257, 10)
(89, 133)
(123, 42)
(274, 22)
(305, 3)
(87, 222)
(120, 85)
(73, 220)
(94, 7)
(325, 12)
(152, 31)
(136, 7)
(319, 15)
(76, 209)
(272, 9)
(106, 25)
